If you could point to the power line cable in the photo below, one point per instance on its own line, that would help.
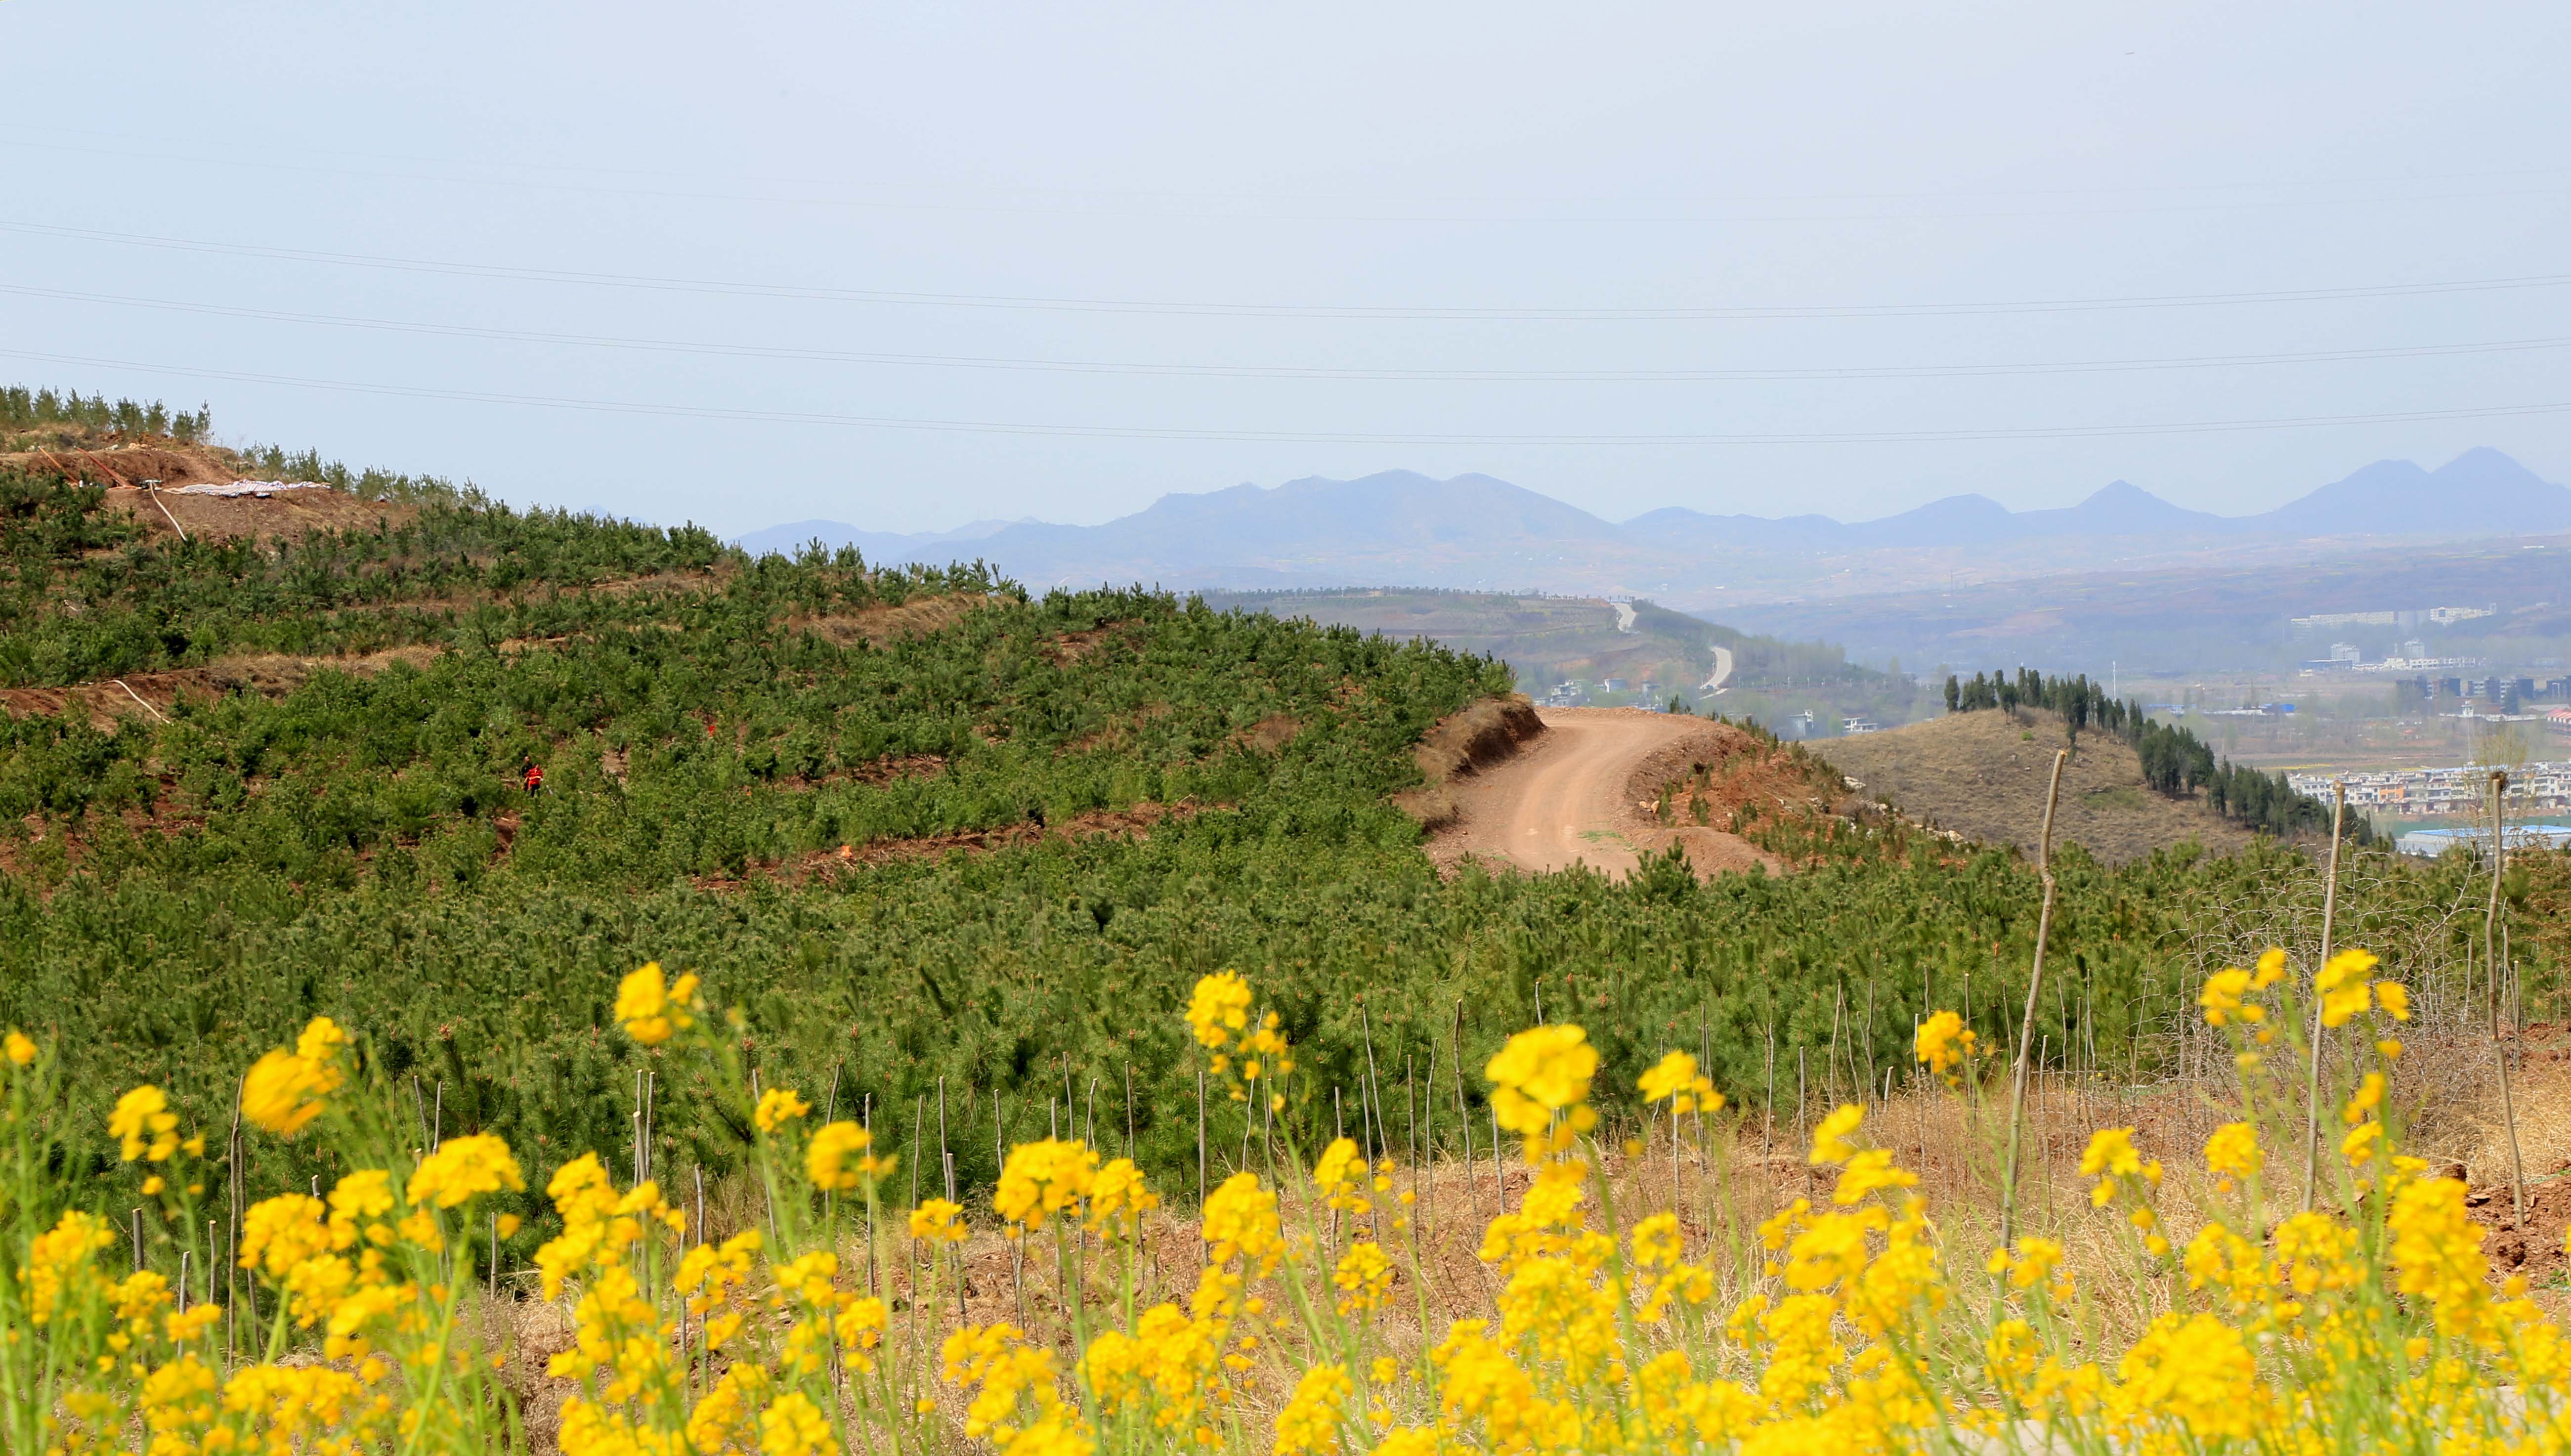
(666, 194)
(666, 283)
(1280, 372)
(1078, 431)
(1202, 194)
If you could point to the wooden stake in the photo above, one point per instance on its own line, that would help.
(2313, 1079)
(1464, 1113)
(2034, 987)
(2490, 954)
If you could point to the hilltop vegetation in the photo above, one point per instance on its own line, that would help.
(1983, 775)
(926, 825)
(2174, 762)
(1550, 639)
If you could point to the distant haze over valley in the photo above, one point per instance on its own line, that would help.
(1477, 532)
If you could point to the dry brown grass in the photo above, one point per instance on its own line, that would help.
(1983, 775)
(879, 626)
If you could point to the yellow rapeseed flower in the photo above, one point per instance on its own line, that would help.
(2272, 968)
(463, 1169)
(2342, 986)
(1310, 1421)
(779, 1105)
(837, 1160)
(20, 1051)
(938, 1220)
(793, 1427)
(1539, 1073)
(1657, 1242)
(1676, 1080)
(2221, 995)
(1241, 1221)
(1042, 1180)
(1830, 1140)
(284, 1091)
(1944, 1043)
(653, 1012)
(1219, 1007)
(144, 1124)
(2109, 1156)
(1118, 1197)
(1363, 1277)
(2232, 1151)
(279, 1233)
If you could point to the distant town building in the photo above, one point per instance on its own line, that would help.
(2439, 615)
(2429, 843)
(1860, 726)
(2440, 793)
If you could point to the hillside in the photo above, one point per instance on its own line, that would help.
(928, 830)
(1984, 776)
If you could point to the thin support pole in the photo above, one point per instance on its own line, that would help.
(1465, 1114)
(2490, 955)
(2312, 1078)
(2034, 987)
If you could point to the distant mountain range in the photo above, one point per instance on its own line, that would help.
(1474, 531)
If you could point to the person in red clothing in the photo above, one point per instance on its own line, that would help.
(535, 777)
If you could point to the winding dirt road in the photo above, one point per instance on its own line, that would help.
(1582, 792)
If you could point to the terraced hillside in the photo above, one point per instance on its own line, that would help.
(447, 773)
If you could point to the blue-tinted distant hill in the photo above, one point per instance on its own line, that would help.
(1399, 527)
(2478, 493)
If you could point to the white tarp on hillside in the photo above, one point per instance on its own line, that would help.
(244, 487)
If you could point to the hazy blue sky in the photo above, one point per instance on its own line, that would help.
(1266, 193)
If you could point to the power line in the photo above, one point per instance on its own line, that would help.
(743, 289)
(1283, 371)
(1140, 432)
(670, 194)
(1206, 196)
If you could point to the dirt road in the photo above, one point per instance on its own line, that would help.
(1581, 794)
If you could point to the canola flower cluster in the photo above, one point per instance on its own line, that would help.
(2368, 1322)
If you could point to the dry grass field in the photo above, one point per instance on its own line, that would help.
(1982, 774)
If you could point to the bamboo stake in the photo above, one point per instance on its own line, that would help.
(2034, 987)
(1370, 1094)
(2313, 1081)
(1767, 1138)
(1018, 1247)
(1428, 1146)
(2490, 947)
(1465, 1114)
(1809, 1186)
(868, 1113)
